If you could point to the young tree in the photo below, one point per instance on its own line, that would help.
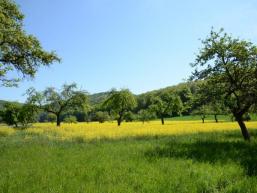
(229, 68)
(120, 102)
(166, 104)
(52, 101)
(19, 51)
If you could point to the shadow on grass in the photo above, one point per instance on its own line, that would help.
(215, 147)
(229, 148)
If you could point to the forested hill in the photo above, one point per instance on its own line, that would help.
(2, 103)
(98, 98)
(180, 88)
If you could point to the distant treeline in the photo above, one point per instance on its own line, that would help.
(187, 93)
(183, 99)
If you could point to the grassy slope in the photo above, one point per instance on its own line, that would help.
(209, 162)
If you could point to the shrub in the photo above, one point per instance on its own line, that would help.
(146, 115)
(70, 119)
(101, 117)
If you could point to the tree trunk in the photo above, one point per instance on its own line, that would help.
(243, 128)
(162, 119)
(119, 120)
(216, 118)
(58, 120)
(203, 117)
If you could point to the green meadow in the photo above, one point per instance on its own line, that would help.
(190, 163)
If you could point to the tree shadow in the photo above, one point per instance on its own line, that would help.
(231, 148)
(214, 147)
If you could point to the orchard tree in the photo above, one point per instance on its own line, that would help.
(19, 115)
(120, 102)
(229, 67)
(186, 96)
(101, 116)
(10, 113)
(203, 111)
(145, 115)
(205, 103)
(217, 108)
(57, 102)
(166, 104)
(19, 51)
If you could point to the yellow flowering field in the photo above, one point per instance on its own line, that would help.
(111, 130)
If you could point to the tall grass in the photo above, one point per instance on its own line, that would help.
(75, 159)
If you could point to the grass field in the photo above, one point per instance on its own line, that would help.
(181, 156)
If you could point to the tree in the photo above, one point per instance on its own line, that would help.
(185, 94)
(10, 113)
(52, 101)
(229, 67)
(120, 102)
(19, 115)
(129, 116)
(217, 108)
(166, 104)
(202, 111)
(19, 51)
(70, 119)
(145, 115)
(205, 103)
(101, 116)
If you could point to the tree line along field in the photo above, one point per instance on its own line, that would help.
(180, 156)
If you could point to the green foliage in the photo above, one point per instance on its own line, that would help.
(10, 113)
(18, 115)
(144, 101)
(70, 119)
(20, 51)
(228, 66)
(51, 117)
(68, 100)
(97, 98)
(120, 102)
(129, 116)
(146, 115)
(166, 104)
(101, 116)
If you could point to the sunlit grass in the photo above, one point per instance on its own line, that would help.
(181, 156)
(5, 130)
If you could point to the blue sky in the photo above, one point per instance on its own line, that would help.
(137, 44)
